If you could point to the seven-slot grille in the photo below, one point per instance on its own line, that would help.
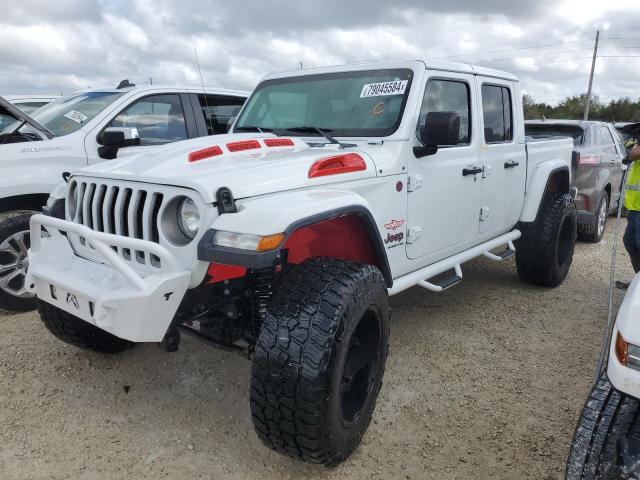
(130, 211)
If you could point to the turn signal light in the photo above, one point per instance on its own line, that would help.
(622, 350)
(345, 163)
(205, 153)
(270, 242)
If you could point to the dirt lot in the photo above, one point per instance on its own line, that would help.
(483, 381)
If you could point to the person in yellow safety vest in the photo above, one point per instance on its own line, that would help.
(631, 237)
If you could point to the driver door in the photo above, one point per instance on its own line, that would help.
(443, 213)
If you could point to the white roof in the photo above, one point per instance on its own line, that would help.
(428, 64)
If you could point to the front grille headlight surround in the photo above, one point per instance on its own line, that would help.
(180, 220)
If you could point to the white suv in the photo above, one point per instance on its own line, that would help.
(82, 129)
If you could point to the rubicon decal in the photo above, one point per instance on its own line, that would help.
(393, 225)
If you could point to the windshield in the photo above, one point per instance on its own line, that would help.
(68, 114)
(347, 104)
(556, 130)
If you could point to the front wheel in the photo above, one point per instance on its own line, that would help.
(319, 360)
(14, 243)
(544, 252)
(606, 443)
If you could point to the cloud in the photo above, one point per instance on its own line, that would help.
(71, 44)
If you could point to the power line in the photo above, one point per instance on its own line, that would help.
(559, 60)
(551, 54)
(510, 50)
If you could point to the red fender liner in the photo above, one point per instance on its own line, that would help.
(341, 237)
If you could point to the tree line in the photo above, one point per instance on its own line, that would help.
(572, 108)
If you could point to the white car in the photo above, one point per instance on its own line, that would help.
(26, 103)
(606, 444)
(82, 129)
(336, 188)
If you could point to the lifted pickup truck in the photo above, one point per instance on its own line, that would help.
(79, 130)
(284, 239)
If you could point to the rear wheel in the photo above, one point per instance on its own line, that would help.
(77, 332)
(544, 252)
(593, 231)
(14, 243)
(319, 360)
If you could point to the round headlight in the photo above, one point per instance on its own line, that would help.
(188, 217)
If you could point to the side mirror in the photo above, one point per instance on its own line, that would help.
(439, 129)
(114, 138)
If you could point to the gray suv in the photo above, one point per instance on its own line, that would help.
(597, 168)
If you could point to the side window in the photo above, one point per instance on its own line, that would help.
(448, 96)
(219, 112)
(497, 112)
(158, 118)
(5, 121)
(606, 140)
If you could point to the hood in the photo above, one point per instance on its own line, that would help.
(260, 170)
(7, 108)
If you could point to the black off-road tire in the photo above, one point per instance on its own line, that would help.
(589, 232)
(544, 252)
(319, 312)
(79, 333)
(12, 223)
(605, 443)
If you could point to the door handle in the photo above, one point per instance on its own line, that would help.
(511, 164)
(471, 171)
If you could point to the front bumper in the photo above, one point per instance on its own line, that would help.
(110, 295)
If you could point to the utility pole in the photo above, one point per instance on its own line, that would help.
(300, 63)
(593, 68)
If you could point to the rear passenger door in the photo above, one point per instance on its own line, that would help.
(215, 113)
(504, 161)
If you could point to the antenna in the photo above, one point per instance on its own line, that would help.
(204, 94)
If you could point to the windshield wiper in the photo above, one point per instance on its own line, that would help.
(323, 132)
(252, 128)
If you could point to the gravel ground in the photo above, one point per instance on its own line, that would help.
(483, 381)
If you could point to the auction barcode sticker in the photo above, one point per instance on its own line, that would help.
(76, 116)
(384, 88)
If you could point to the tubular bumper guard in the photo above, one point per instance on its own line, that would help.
(110, 295)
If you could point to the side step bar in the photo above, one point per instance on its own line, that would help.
(508, 252)
(444, 283)
(421, 277)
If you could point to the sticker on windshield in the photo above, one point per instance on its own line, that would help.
(76, 116)
(384, 88)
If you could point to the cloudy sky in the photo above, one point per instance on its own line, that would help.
(65, 45)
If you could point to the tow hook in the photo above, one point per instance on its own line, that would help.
(171, 340)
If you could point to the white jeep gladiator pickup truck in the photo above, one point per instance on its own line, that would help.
(79, 130)
(336, 188)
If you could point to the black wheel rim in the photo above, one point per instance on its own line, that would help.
(565, 240)
(360, 370)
